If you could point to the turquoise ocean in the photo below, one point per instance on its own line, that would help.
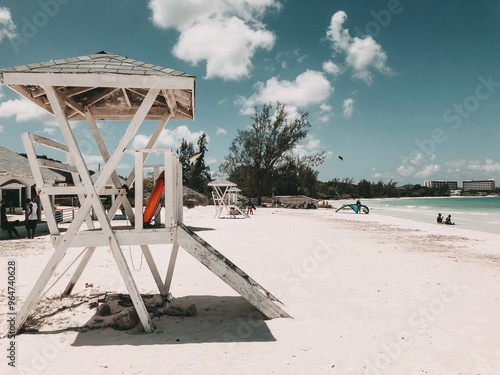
(474, 213)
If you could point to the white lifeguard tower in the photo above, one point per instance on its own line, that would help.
(105, 86)
(225, 197)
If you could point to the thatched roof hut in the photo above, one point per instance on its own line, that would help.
(192, 198)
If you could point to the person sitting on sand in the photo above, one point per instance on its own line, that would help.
(439, 219)
(448, 220)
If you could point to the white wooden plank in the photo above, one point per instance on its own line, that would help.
(57, 165)
(170, 196)
(126, 237)
(61, 190)
(154, 269)
(99, 80)
(139, 191)
(38, 177)
(49, 143)
(171, 266)
(79, 270)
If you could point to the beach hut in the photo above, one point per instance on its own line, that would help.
(105, 86)
(16, 174)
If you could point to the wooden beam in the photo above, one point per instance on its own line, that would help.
(57, 165)
(27, 94)
(171, 102)
(154, 270)
(171, 266)
(125, 236)
(61, 190)
(127, 99)
(72, 91)
(79, 270)
(100, 96)
(228, 272)
(99, 80)
(49, 143)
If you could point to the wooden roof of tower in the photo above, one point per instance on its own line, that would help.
(110, 86)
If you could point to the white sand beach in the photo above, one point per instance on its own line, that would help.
(369, 294)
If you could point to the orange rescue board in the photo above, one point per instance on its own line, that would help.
(154, 199)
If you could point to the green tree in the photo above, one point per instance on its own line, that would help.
(258, 154)
(195, 173)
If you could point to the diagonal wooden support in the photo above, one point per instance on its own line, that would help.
(171, 265)
(154, 270)
(231, 274)
(79, 270)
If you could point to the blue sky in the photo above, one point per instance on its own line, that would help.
(404, 90)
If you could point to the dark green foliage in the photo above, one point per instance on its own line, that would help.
(195, 174)
(261, 160)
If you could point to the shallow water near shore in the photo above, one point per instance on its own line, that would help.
(473, 213)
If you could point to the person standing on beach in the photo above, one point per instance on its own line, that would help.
(250, 206)
(5, 224)
(358, 203)
(32, 217)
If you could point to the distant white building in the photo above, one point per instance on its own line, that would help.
(452, 185)
(479, 185)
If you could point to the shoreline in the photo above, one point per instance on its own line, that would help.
(464, 220)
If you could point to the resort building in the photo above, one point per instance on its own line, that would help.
(479, 185)
(452, 185)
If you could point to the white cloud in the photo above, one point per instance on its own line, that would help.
(331, 68)
(470, 169)
(225, 34)
(93, 161)
(210, 160)
(169, 138)
(418, 166)
(310, 87)
(23, 110)
(310, 145)
(325, 108)
(362, 55)
(7, 27)
(49, 130)
(427, 171)
(221, 131)
(348, 105)
(424, 167)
